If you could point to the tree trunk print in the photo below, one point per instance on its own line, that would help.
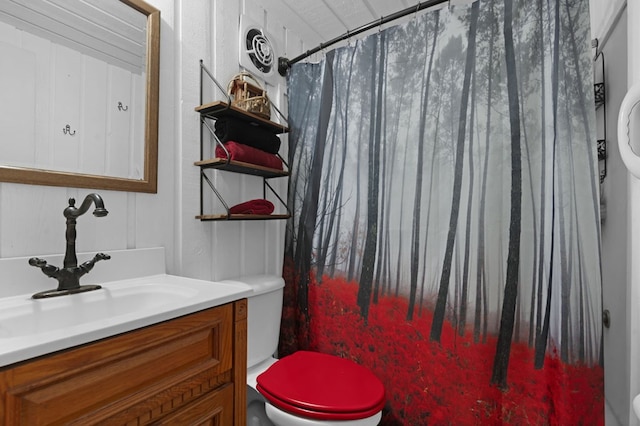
(327, 198)
(417, 205)
(389, 204)
(337, 191)
(566, 241)
(464, 296)
(310, 204)
(543, 336)
(481, 282)
(505, 334)
(369, 255)
(441, 303)
(355, 233)
(383, 179)
(536, 302)
(296, 162)
(583, 326)
(336, 248)
(400, 240)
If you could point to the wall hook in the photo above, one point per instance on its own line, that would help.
(122, 107)
(67, 130)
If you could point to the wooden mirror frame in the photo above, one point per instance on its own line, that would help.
(149, 182)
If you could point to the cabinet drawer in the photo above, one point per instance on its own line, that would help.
(212, 409)
(143, 375)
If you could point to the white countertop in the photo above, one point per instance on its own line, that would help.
(33, 327)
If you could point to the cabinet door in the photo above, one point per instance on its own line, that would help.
(212, 409)
(142, 375)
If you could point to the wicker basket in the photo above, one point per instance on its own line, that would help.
(249, 97)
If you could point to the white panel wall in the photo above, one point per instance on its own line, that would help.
(614, 23)
(31, 220)
(633, 300)
(614, 230)
(220, 250)
(604, 14)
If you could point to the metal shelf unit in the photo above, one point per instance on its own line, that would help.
(218, 109)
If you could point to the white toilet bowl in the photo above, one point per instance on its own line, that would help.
(282, 418)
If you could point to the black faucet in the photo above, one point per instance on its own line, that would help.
(69, 275)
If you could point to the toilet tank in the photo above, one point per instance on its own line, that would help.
(263, 318)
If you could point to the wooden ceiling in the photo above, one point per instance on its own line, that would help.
(326, 19)
(317, 21)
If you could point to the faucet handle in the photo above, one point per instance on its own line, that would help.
(101, 256)
(48, 270)
(88, 265)
(37, 262)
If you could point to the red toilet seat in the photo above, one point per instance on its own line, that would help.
(321, 386)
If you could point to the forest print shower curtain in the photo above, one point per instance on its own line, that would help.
(445, 214)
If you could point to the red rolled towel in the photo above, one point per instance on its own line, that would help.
(258, 206)
(247, 154)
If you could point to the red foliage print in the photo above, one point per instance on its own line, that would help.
(446, 383)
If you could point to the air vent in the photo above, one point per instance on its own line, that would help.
(257, 50)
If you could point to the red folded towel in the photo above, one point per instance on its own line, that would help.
(247, 154)
(259, 206)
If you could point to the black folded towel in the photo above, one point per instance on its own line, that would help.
(233, 129)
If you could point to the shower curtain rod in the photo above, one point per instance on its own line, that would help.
(284, 64)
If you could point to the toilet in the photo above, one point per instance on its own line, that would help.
(305, 388)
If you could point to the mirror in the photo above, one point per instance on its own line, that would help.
(80, 83)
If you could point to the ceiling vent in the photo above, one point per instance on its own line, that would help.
(257, 51)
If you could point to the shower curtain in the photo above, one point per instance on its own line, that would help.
(445, 228)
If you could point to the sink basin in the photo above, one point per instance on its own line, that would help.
(34, 327)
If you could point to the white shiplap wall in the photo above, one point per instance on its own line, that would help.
(222, 249)
(611, 21)
(31, 221)
(604, 15)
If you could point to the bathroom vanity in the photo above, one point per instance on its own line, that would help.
(189, 370)
(155, 348)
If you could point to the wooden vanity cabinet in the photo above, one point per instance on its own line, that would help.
(187, 371)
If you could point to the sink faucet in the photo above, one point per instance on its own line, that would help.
(69, 275)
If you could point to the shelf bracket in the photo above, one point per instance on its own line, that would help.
(205, 70)
(213, 188)
(273, 191)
